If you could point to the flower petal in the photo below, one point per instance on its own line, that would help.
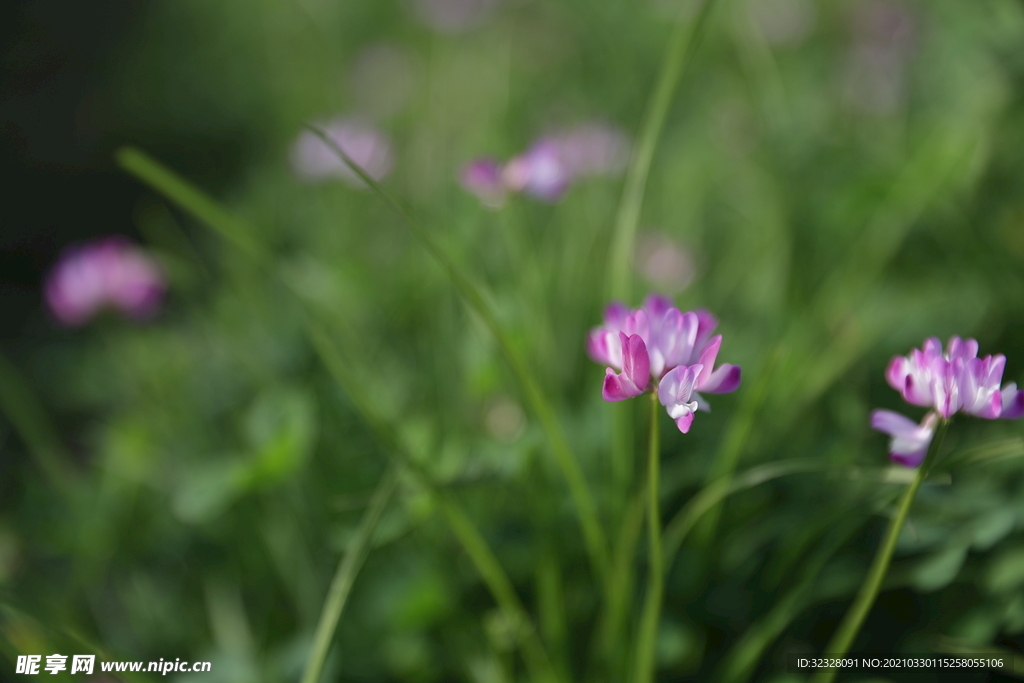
(618, 387)
(675, 391)
(684, 422)
(636, 364)
(909, 444)
(724, 380)
(706, 325)
(1013, 402)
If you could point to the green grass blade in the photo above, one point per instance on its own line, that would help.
(678, 54)
(341, 585)
(579, 490)
(29, 419)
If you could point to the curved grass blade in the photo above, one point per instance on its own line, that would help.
(345, 576)
(194, 201)
(583, 500)
(29, 419)
(677, 57)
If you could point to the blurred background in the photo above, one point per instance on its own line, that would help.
(179, 475)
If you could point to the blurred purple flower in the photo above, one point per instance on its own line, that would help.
(107, 273)
(659, 345)
(947, 382)
(540, 172)
(315, 160)
(593, 149)
(783, 22)
(664, 263)
(876, 80)
(549, 167)
(483, 178)
(454, 16)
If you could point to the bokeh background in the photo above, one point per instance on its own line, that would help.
(836, 181)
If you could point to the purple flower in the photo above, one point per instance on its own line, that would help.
(454, 16)
(658, 345)
(483, 178)
(540, 172)
(947, 382)
(107, 273)
(549, 167)
(955, 380)
(315, 160)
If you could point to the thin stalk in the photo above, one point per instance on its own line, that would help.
(608, 645)
(678, 54)
(345, 576)
(29, 419)
(648, 635)
(858, 611)
(579, 490)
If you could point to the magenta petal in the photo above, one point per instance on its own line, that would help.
(891, 423)
(708, 355)
(615, 315)
(896, 373)
(1013, 402)
(724, 380)
(909, 443)
(657, 306)
(636, 364)
(706, 324)
(684, 422)
(603, 347)
(618, 387)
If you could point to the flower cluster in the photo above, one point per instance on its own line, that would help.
(954, 381)
(659, 346)
(547, 169)
(108, 273)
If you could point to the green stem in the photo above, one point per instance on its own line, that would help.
(341, 585)
(29, 419)
(855, 615)
(647, 637)
(677, 56)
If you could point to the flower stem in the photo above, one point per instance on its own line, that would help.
(646, 639)
(855, 615)
(344, 578)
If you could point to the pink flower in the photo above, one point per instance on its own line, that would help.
(108, 273)
(954, 381)
(315, 160)
(550, 166)
(483, 178)
(659, 345)
(540, 172)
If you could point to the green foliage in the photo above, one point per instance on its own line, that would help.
(209, 471)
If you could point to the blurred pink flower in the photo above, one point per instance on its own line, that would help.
(315, 160)
(540, 172)
(783, 22)
(664, 263)
(454, 16)
(593, 149)
(107, 273)
(550, 166)
(483, 178)
(876, 79)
